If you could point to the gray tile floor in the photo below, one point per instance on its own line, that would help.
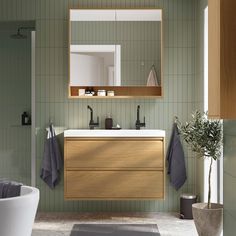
(60, 224)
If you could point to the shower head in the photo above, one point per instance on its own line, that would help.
(18, 35)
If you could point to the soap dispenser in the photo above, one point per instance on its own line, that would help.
(108, 122)
(24, 118)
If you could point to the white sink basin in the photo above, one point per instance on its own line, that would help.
(114, 133)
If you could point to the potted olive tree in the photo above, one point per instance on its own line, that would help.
(204, 136)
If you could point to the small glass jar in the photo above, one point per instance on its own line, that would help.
(101, 93)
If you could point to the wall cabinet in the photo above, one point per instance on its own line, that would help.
(119, 50)
(222, 59)
(114, 168)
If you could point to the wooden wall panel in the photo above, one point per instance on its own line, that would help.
(222, 58)
(228, 59)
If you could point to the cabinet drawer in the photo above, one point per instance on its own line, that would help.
(114, 185)
(114, 153)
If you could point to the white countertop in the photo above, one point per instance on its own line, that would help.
(154, 133)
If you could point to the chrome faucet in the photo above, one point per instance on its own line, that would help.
(138, 124)
(92, 124)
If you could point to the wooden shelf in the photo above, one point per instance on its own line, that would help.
(120, 92)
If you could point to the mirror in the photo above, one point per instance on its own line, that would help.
(115, 47)
(95, 65)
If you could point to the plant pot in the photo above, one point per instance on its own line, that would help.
(209, 222)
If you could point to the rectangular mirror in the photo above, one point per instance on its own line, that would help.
(95, 65)
(116, 48)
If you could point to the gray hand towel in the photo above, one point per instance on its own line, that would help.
(52, 162)
(9, 189)
(176, 160)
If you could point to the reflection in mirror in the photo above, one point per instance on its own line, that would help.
(95, 65)
(115, 47)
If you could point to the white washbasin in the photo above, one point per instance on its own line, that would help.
(114, 133)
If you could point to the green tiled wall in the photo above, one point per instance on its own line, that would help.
(15, 97)
(52, 92)
(229, 177)
(140, 45)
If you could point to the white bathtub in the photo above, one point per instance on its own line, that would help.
(17, 214)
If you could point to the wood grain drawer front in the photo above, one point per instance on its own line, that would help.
(114, 153)
(114, 185)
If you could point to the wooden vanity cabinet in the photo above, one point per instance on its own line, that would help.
(114, 168)
(222, 59)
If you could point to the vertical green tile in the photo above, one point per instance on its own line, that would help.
(52, 76)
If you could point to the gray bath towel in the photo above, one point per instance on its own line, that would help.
(176, 160)
(52, 162)
(9, 189)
